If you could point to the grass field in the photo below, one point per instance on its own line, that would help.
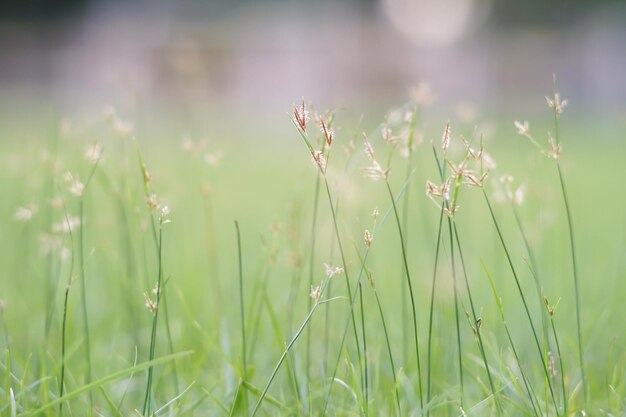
(114, 305)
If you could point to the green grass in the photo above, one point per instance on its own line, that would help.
(435, 316)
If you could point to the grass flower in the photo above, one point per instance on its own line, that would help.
(301, 116)
(93, 153)
(445, 138)
(556, 103)
(331, 271)
(24, 214)
(375, 171)
(367, 238)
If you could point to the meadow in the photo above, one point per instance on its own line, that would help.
(404, 264)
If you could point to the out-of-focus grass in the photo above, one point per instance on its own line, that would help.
(266, 181)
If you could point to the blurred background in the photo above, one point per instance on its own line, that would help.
(262, 55)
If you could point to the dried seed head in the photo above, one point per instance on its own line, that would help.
(77, 188)
(320, 160)
(331, 271)
(301, 116)
(556, 103)
(445, 138)
(164, 215)
(375, 213)
(328, 134)
(24, 214)
(369, 151)
(152, 202)
(555, 148)
(374, 172)
(523, 128)
(67, 225)
(552, 371)
(214, 158)
(316, 293)
(367, 238)
(151, 305)
(93, 153)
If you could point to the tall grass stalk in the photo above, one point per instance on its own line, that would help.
(242, 314)
(570, 229)
(288, 348)
(353, 299)
(81, 263)
(475, 318)
(153, 337)
(531, 394)
(322, 171)
(411, 294)
(312, 242)
(386, 333)
(431, 314)
(405, 224)
(523, 298)
(66, 298)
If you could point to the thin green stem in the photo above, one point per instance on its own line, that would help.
(475, 318)
(286, 352)
(576, 283)
(521, 293)
(241, 311)
(148, 399)
(411, 294)
(531, 395)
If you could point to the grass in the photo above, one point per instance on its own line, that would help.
(260, 326)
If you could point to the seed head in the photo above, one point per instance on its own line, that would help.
(556, 103)
(445, 138)
(151, 305)
(367, 238)
(552, 371)
(328, 134)
(316, 293)
(301, 116)
(331, 271)
(152, 202)
(67, 225)
(93, 153)
(164, 215)
(24, 214)
(523, 128)
(320, 160)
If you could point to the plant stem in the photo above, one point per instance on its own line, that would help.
(411, 294)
